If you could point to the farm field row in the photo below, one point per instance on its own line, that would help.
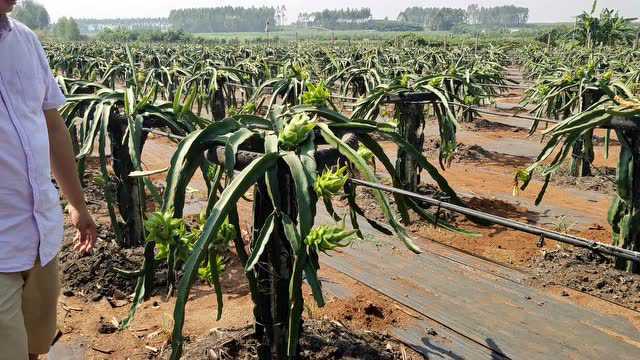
(226, 178)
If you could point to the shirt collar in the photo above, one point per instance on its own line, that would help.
(5, 25)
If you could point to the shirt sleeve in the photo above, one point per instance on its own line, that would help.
(53, 97)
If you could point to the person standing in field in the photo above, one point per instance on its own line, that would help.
(34, 143)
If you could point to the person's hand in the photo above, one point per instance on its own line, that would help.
(86, 230)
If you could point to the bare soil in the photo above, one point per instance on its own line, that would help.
(586, 272)
(93, 275)
(602, 181)
(321, 340)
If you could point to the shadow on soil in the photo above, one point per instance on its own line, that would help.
(503, 209)
(431, 350)
(476, 153)
(233, 281)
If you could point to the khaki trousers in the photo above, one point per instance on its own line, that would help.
(28, 304)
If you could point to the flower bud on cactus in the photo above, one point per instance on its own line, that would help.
(436, 82)
(162, 251)
(296, 131)
(141, 77)
(204, 273)
(316, 95)
(404, 81)
(471, 100)
(331, 183)
(162, 227)
(543, 89)
(365, 153)
(326, 237)
(300, 72)
(523, 176)
(249, 108)
(226, 233)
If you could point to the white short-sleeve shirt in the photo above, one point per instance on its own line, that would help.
(31, 220)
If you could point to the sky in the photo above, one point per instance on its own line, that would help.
(540, 10)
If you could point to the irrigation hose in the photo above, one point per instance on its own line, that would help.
(547, 234)
(482, 111)
(162, 133)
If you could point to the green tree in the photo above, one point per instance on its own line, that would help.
(447, 18)
(222, 19)
(132, 24)
(419, 15)
(66, 29)
(32, 14)
(339, 19)
(608, 29)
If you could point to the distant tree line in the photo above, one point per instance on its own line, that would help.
(352, 19)
(32, 14)
(509, 15)
(433, 18)
(88, 26)
(196, 20)
(144, 35)
(66, 28)
(36, 17)
(224, 19)
(443, 19)
(339, 19)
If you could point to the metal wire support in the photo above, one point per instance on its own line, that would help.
(547, 234)
(162, 133)
(507, 86)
